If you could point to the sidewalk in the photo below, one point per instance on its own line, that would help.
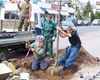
(91, 42)
(93, 70)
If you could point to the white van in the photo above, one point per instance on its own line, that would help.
(12, 13)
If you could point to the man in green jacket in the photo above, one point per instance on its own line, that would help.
(49, 32)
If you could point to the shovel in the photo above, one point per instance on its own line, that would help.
(21, 59)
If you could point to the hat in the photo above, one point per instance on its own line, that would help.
(41, 39)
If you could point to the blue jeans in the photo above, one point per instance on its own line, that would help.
(69, 57)
(39, 64)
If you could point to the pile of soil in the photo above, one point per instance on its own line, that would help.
(83, 59)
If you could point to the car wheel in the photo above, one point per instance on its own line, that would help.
(3, 54)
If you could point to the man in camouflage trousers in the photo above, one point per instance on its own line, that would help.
(25, 15)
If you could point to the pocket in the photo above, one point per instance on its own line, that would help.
(78, 45)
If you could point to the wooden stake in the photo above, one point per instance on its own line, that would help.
(57, 33)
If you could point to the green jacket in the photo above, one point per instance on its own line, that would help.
(49, 29)
(40, 50)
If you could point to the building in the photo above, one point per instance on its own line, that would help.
(98, 5)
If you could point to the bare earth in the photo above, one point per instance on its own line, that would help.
(83, 59)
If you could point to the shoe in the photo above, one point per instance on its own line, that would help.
(58, 70)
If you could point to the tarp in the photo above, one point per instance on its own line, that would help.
(4, 71)
(64, 13)
(1, 3)
(71, 10)
(52, 11)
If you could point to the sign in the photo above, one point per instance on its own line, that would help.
(98, 3)
(54, 6)
(8, 34)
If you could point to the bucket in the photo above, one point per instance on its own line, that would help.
(24, 76)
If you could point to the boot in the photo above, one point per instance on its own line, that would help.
(58, 70)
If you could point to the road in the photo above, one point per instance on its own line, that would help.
(87, 29)
(90, 37)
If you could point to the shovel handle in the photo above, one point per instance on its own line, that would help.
(27, 54)
(21, 59)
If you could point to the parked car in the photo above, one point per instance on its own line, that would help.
(65, 24)
(73, 20)
(96, 22)
(86, 22)
(80, 23)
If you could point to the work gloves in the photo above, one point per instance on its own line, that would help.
(53, 39)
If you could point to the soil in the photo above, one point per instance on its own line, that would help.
(83, 59)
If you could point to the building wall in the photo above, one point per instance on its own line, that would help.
(98, 5)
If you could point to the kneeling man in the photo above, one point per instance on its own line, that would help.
(38, 49)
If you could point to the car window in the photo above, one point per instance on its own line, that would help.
(96, 20)
(42, 19)
(12, 15)
(64, 23)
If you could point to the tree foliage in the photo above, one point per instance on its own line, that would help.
(88, 9)
(97, 15)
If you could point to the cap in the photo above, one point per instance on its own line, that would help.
(41, 39)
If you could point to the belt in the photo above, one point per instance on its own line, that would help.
(25, 16)
(79, 45)
(48, 30)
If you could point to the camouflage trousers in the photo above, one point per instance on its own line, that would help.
(23, 21)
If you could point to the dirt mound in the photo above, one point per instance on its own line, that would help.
(83, 59)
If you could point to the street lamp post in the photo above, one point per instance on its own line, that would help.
(90, 17)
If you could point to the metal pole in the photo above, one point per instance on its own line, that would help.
(16, 18)
(1, 24)
(57, 33)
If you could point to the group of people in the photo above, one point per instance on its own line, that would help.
(44, 45)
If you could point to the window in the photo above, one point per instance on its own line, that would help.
(12, 15)
(42, 18)
(36, 18)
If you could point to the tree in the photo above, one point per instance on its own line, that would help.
(97, 15)
(88, 9)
